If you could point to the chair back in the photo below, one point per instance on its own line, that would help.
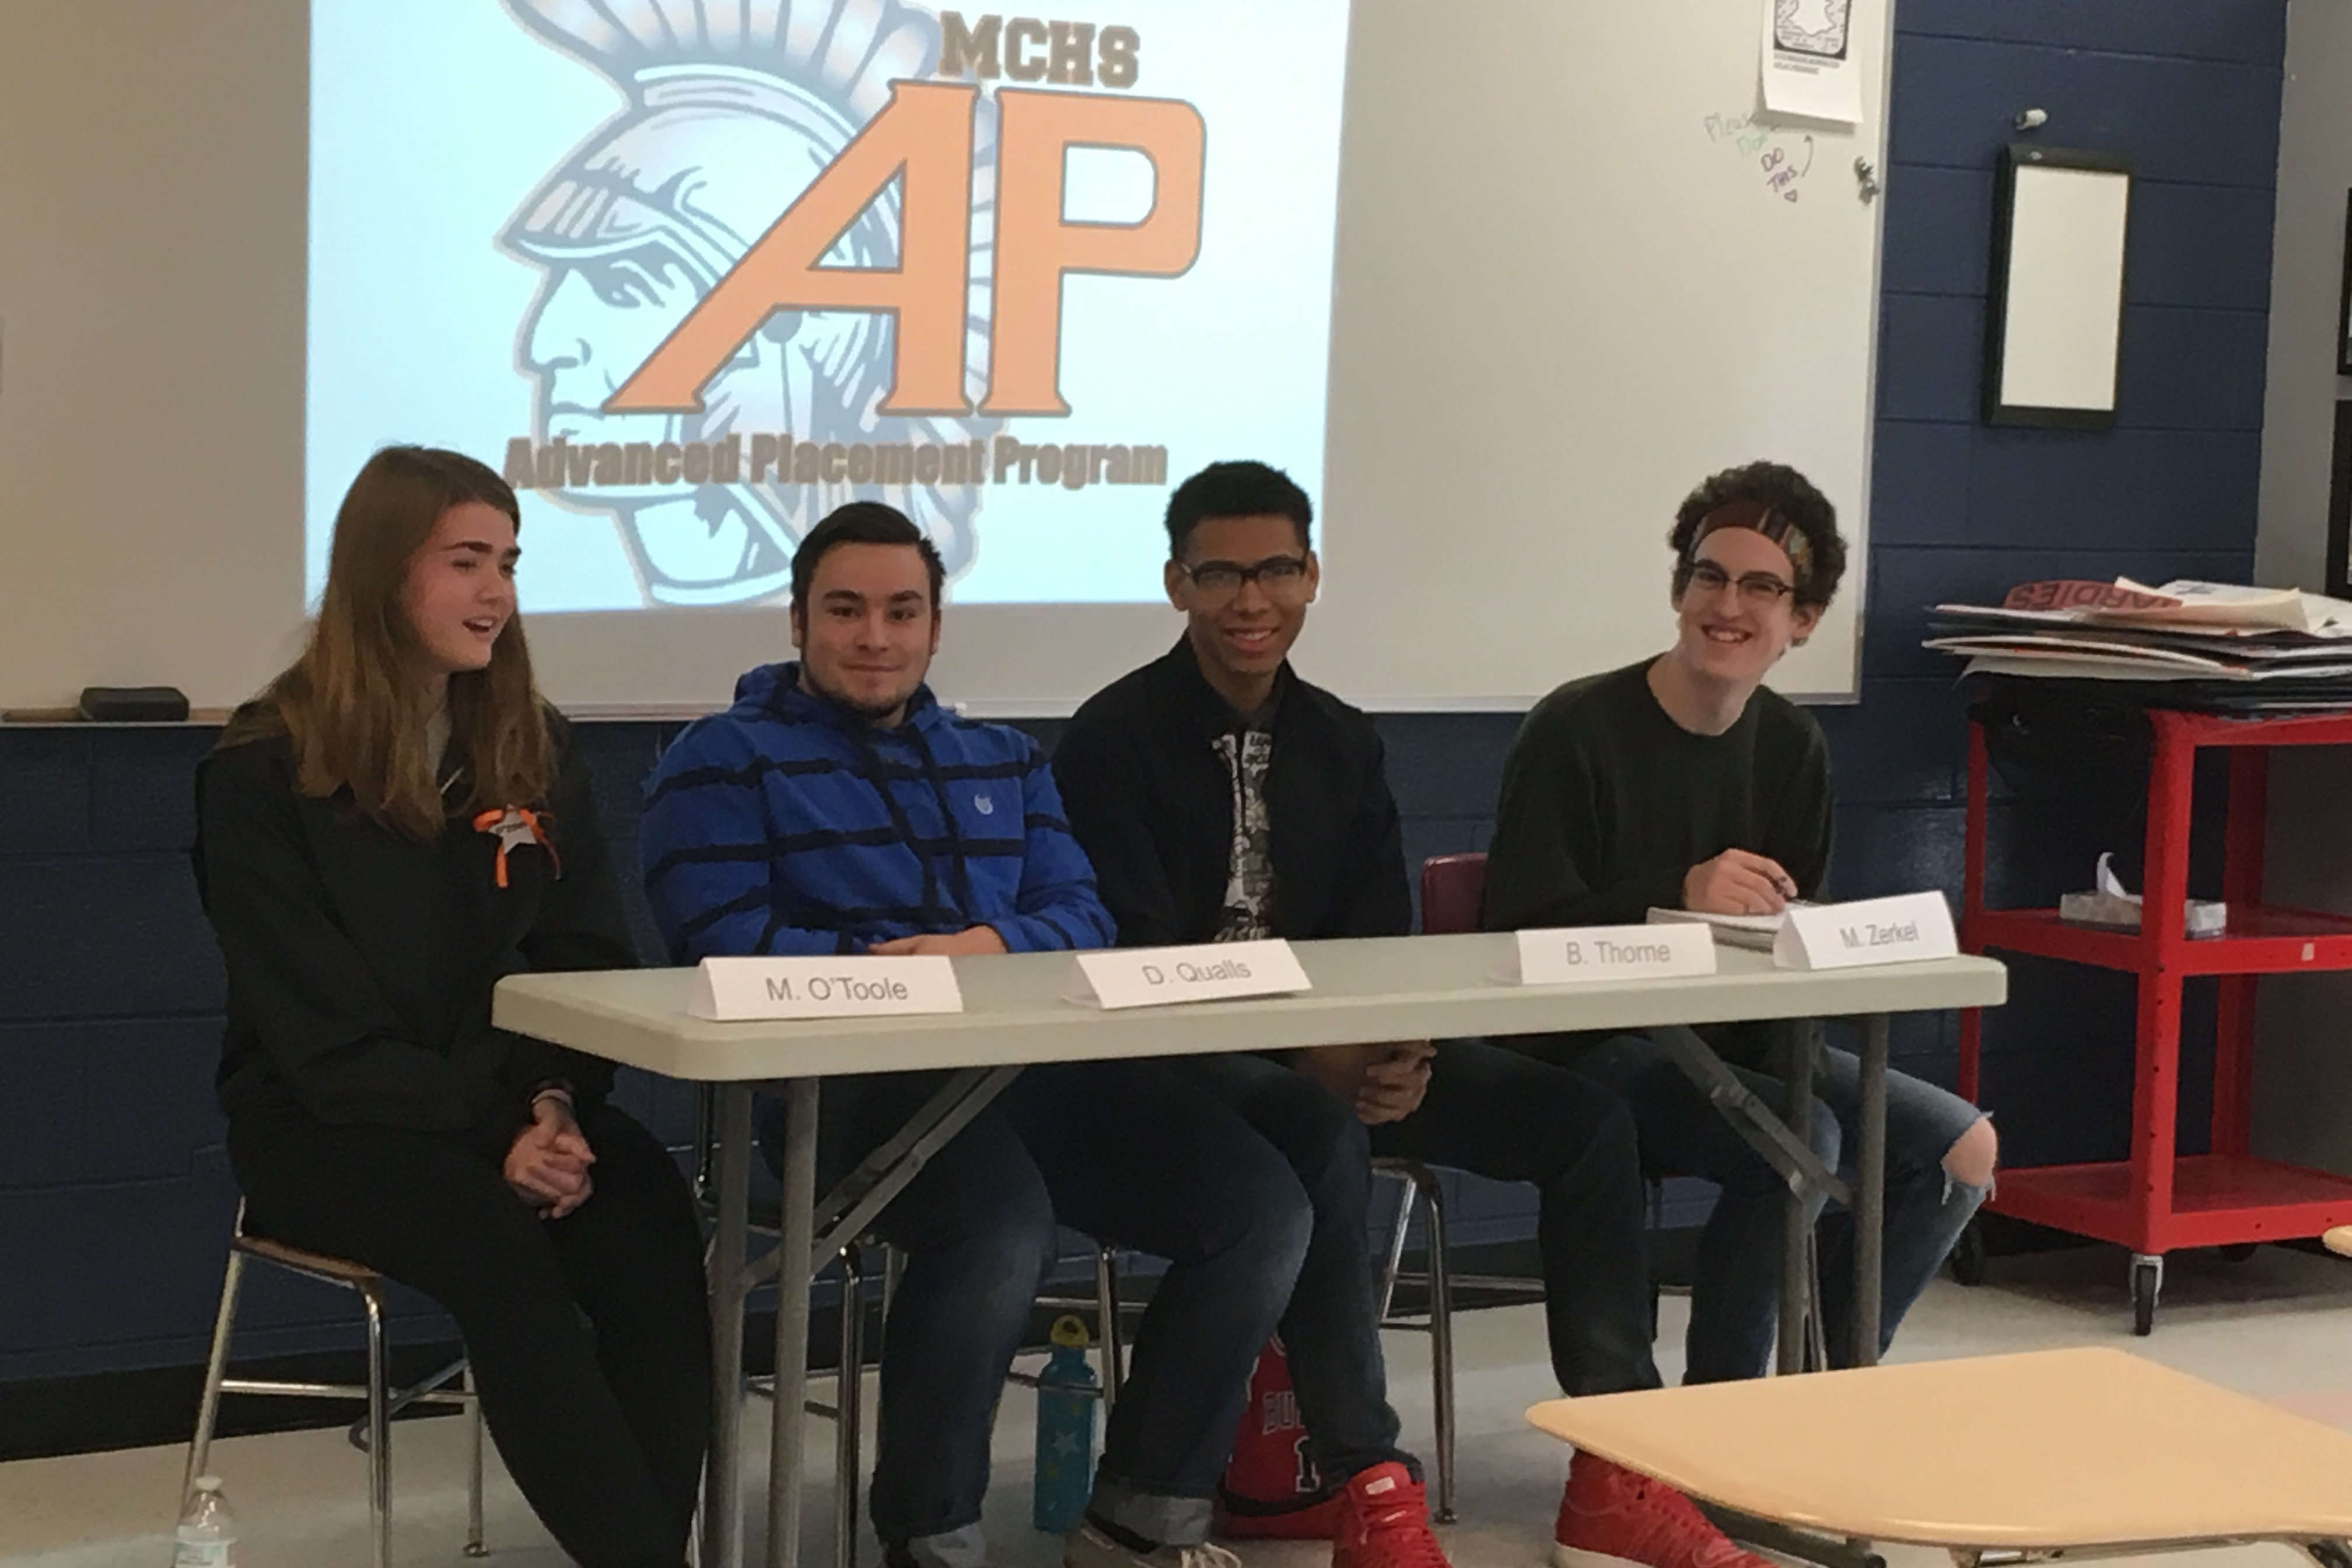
(1451, 885)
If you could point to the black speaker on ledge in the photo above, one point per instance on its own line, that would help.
(133, 704)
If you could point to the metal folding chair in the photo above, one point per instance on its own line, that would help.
(372, 1434)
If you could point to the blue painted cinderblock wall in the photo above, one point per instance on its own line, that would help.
(114, 1197)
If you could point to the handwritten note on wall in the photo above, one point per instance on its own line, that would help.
(1781, 158)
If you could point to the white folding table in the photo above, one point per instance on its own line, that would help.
(1015, 1014)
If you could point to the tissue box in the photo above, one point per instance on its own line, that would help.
(2120, 911)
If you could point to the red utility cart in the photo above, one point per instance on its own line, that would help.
(2159, 1199)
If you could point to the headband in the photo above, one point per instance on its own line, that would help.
(1763, 519)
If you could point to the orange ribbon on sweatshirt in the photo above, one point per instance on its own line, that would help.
(517, 825)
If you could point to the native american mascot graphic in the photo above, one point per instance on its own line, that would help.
(733, 111)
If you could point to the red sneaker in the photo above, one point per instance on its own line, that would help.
(1611, 1518)
(1384, 1522)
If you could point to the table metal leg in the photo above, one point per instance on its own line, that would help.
(1802, 1041)
(797, 1234)
(1870, 1193)
(1760, 1126)
(723, 1504)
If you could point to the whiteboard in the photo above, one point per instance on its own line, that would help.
(1582, 193)
(1570, 282)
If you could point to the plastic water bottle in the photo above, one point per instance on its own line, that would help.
(1065, 1431)
(208, 1533)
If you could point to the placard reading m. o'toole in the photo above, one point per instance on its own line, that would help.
(857, 985)
(1900, 929)
(1157, 976)
(1584, 954)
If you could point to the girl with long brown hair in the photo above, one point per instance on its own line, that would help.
(391, 826)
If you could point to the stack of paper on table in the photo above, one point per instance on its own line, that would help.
(2204, 644)
(1757, 932)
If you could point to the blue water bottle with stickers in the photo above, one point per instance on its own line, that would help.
(1065, 1431)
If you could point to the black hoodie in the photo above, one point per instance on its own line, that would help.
(360, 960)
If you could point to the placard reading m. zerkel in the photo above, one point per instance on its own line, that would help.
(693, 275)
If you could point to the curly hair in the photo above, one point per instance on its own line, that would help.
(1792, 496)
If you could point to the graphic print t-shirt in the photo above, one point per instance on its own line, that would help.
(1247, 751)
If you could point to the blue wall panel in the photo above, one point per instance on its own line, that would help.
(1962, 512)
(113, 1194)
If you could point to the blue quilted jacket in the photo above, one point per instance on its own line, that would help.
(790, 825)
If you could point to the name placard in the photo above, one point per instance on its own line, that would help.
(1900, 929)
(1159, 976)
(1582, 955)
(856, 986)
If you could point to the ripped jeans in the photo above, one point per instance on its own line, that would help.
(1734, 1298)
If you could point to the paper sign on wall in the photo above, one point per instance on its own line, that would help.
(1582, 954)
(1157, 977)
(1900, 929)
(1809, 63)
(853, 986)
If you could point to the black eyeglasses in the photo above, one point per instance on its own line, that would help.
(1279, 576)
(1761, 589)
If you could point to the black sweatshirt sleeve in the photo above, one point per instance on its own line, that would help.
(1545, 823)
(321, 1020)
(581, 925)
(1376, 898)
(1800, 838)
(1105, 785)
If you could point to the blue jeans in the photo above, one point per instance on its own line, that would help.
(1137, 1154)
(1332, 1327)
(976, 1227)
(1734, 1300)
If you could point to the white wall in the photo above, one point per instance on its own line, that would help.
(2308, 273)
(2302, 1080)
(152, 159)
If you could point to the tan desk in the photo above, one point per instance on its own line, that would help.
(2085, 1451)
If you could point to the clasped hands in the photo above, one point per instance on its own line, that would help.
(547, 1164)
(1381, 1082)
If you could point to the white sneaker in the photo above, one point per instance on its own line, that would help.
(1086, 1547)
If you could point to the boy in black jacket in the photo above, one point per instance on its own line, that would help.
(1222, 798)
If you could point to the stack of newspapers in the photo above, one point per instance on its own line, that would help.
(2218, 645)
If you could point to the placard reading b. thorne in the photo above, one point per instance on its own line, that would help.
(1587, 954)
(1154, 976)
(853, 986)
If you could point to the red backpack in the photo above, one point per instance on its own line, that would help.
(1271, 1489)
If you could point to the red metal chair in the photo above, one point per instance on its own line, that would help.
(1450, 886)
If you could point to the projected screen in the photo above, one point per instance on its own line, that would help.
(693, 275)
